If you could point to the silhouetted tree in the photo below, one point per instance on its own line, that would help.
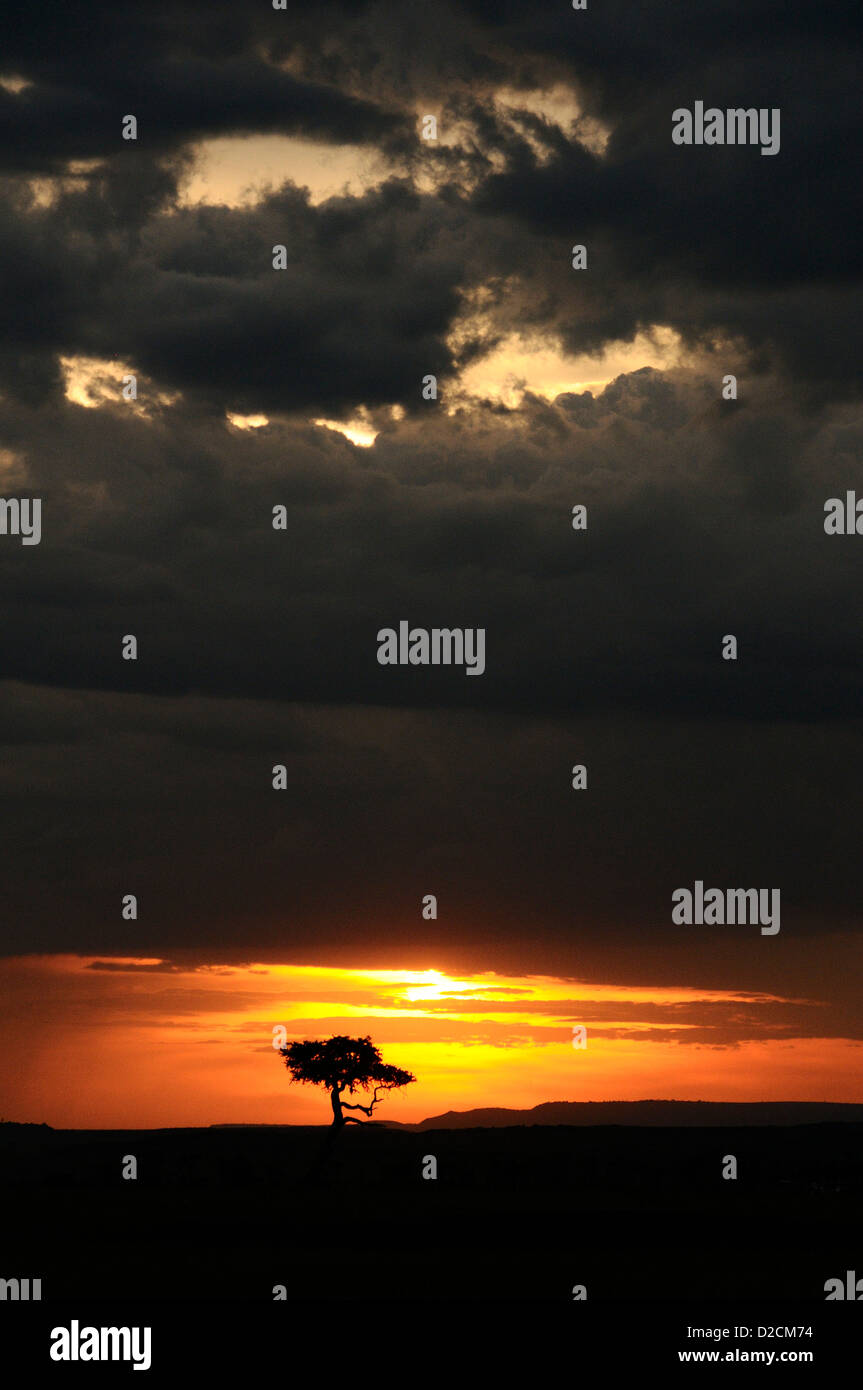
(344, 1064)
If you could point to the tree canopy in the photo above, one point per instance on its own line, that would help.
(341, 1064)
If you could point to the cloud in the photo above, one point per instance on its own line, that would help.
(376, 282)
(258, 647)
(702, 521)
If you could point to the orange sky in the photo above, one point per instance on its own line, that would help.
(139, 1044)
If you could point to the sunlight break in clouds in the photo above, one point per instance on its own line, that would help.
(522, 363)
(236, 171)
(93, 381)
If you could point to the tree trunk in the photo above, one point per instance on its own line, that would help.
(338, 1113)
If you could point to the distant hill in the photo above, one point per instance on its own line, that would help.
(665, 1114)
(688, 1113)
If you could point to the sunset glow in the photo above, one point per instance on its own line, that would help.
(156, 1043)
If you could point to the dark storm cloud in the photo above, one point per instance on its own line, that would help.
(360, 315)
(124, 795)
(603, 648)
(702, 522)
(703, 239)
(186, 73)
(713, 241)
(258, 647)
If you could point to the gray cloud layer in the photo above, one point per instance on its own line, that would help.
(258, 647)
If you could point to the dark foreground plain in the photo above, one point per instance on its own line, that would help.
(634, 1213)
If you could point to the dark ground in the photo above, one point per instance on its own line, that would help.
(633, 1213)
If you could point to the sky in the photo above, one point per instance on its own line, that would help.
(303, 388)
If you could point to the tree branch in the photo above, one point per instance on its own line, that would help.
(366, 1109)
